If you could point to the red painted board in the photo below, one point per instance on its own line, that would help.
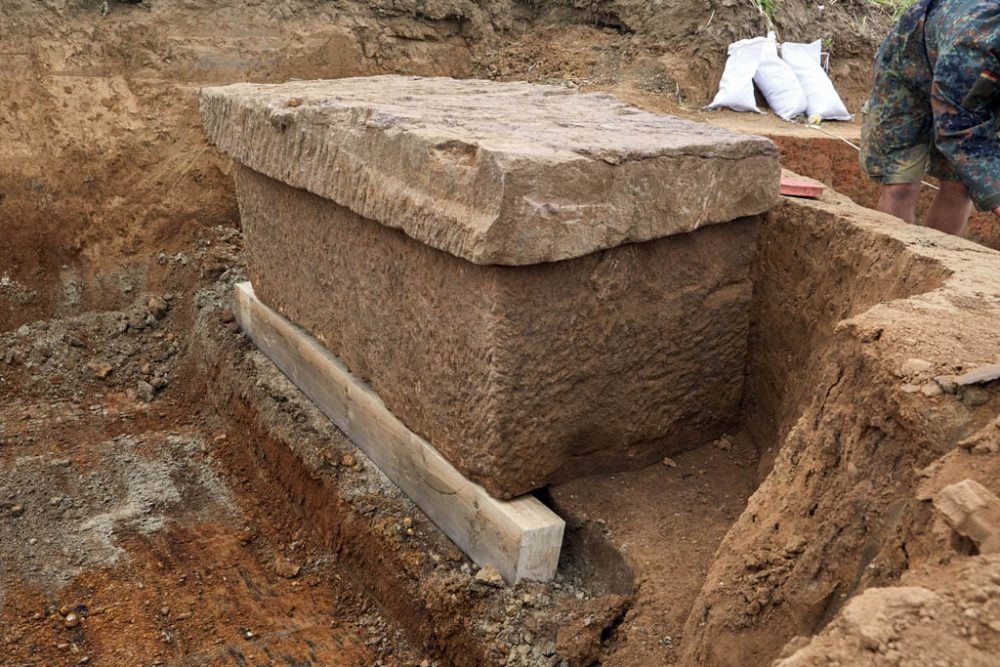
(800, 187)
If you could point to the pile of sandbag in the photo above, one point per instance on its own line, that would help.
(793, 84)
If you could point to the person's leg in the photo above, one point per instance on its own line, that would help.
(951, 208)
(900, 200)
(896, 127)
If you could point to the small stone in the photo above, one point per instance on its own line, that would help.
(970, 443)
(348, 460)
(986, 448)
(159, 382)
(931, 389)
(62, 646)
(489, 576)
(71, 620)
(909, 388)
(724, 443)
(669, 462)
(101, 369)
(915, 367)
(973, 511)
(157, 307)
(17, 510)
(145, 391)
(85, 660)
(293, 102)
(948, 383)
(226, 316)
(974, 396)
(286, 568)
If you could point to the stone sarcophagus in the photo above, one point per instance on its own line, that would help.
(542, 284)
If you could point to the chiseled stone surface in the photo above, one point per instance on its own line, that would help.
(494, 173)
(520, 375)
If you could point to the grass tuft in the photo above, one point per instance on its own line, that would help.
(766, 8)
(893, 7)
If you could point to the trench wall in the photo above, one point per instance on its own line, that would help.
(844, 298)
(811, 272)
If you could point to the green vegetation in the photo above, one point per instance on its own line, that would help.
(895, 7)
(766, 7)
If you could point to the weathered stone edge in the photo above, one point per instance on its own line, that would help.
(490, 214)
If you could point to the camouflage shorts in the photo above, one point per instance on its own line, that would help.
(897, 135)
(897, 131)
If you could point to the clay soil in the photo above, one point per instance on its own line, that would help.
(166, 497)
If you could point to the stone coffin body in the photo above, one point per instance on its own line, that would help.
(542, 284)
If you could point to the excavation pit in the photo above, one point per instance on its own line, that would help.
(833, 323)
(736, 547)
(815, 521)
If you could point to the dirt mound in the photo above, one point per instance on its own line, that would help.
(934, 616)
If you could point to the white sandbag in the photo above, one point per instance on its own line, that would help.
(778, 83)
(736, 85)
(805, 61)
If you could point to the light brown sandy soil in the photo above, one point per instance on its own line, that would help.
(103, 167)
(841, 509)
(932, 618)
(660, 527)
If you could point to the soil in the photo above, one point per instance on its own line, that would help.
(167, 497)
(663, 524)
(125, 539)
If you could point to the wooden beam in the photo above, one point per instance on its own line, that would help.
(521, 538)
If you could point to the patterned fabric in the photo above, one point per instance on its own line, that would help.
(935, 102)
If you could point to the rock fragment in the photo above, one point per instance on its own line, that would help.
(157, 307)
(101, 369)
(948, 383)
(981, 375)
(286, 568)
(146, 391)
(973, 511)
(931, 389)
(912, 367)
(490, 576)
